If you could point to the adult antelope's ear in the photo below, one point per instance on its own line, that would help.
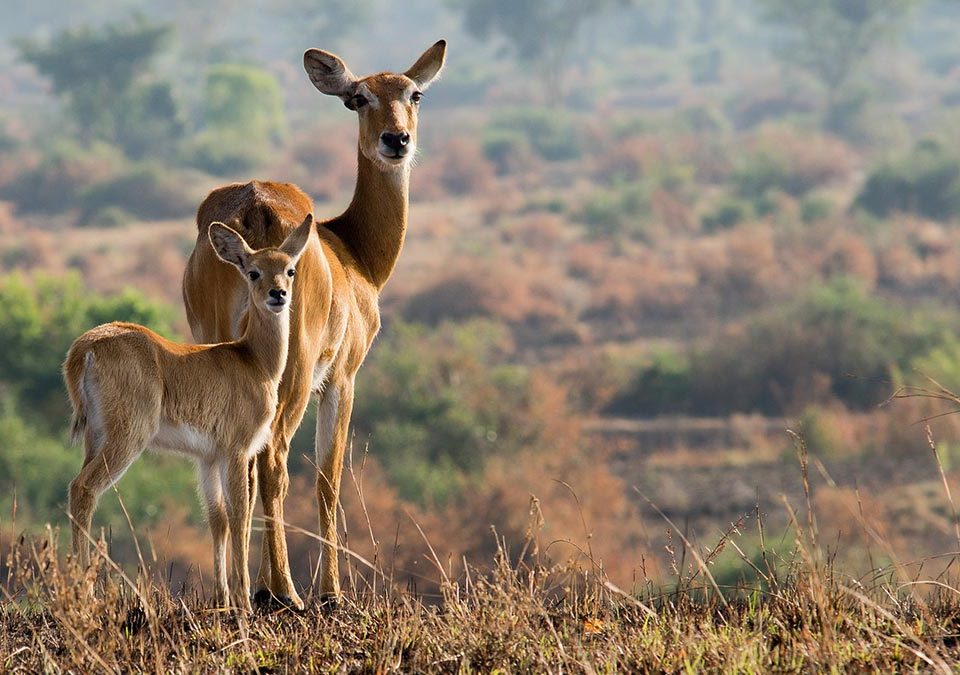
(229, 246)
(329, 73)
(296, 241)
(428, 66)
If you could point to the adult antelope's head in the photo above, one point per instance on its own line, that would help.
(387, 103)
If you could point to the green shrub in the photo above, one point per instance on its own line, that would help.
(39, 318)
(243, 118)
(507, 149)
(436, 403)
(730, 212)
(781, 158)
(552, 134)
(616, 212)
(64, 172)
(834, 333)
(662, 385)
(147, 191)
(926, 182)
(832, 336)
(224, 153)
(814, 209)
(942, 363)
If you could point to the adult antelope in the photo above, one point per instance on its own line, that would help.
(332, 324)
(131, 388)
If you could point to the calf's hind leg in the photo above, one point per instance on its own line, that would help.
(100, 470)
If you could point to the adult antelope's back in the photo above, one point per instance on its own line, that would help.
(332, 325)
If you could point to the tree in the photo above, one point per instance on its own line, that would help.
(833, 40)
(538, 32)
(103, 76)
(243, 117)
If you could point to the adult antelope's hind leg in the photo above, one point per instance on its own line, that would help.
(273, 482)
(333, 423)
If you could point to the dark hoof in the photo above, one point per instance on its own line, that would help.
(328, 604)
(267, 602)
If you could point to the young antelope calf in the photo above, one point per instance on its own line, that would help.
(130, 388)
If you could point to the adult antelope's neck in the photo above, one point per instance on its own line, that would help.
(267, 337)
(375, 223)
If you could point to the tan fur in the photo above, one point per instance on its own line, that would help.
(335, 315)
(131, 388)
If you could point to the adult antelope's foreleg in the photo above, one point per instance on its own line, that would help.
(274, 481)
(333, 423)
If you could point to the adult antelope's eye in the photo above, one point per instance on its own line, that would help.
(357, 102)
(416, 96)
(291, 272)
(254, 275)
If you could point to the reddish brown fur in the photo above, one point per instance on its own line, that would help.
(332, 324)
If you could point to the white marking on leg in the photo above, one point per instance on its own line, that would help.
(326, 424)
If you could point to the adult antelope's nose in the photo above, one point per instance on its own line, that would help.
(395, 142)
(278, 293)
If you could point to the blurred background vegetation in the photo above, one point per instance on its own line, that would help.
(646, 237)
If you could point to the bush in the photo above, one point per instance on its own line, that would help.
(147, 191)
(662, 386)
(437, 403)
(39, 318)
(62, 173)
(223, 153)
(834, 333)
(730, 212)
(795, 163)
(243, 117)
(508, 150)
(38, 468)
(814, 209)
(611, 213)
(926, 182)
(551, 134)
(832, 341)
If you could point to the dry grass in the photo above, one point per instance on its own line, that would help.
(520, 613)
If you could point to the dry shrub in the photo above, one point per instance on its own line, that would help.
(780, 157)
(855, 522)
(174, 541)
(160, 269)
(8, 224)
(900, 266)
(673, 212)
(456, 168)
(490, 288)
(33, 250)
(637, 289)
(321, 161)
(541, 232)
(848, 255)
(626, 159)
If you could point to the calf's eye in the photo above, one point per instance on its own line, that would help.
(254, 275)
